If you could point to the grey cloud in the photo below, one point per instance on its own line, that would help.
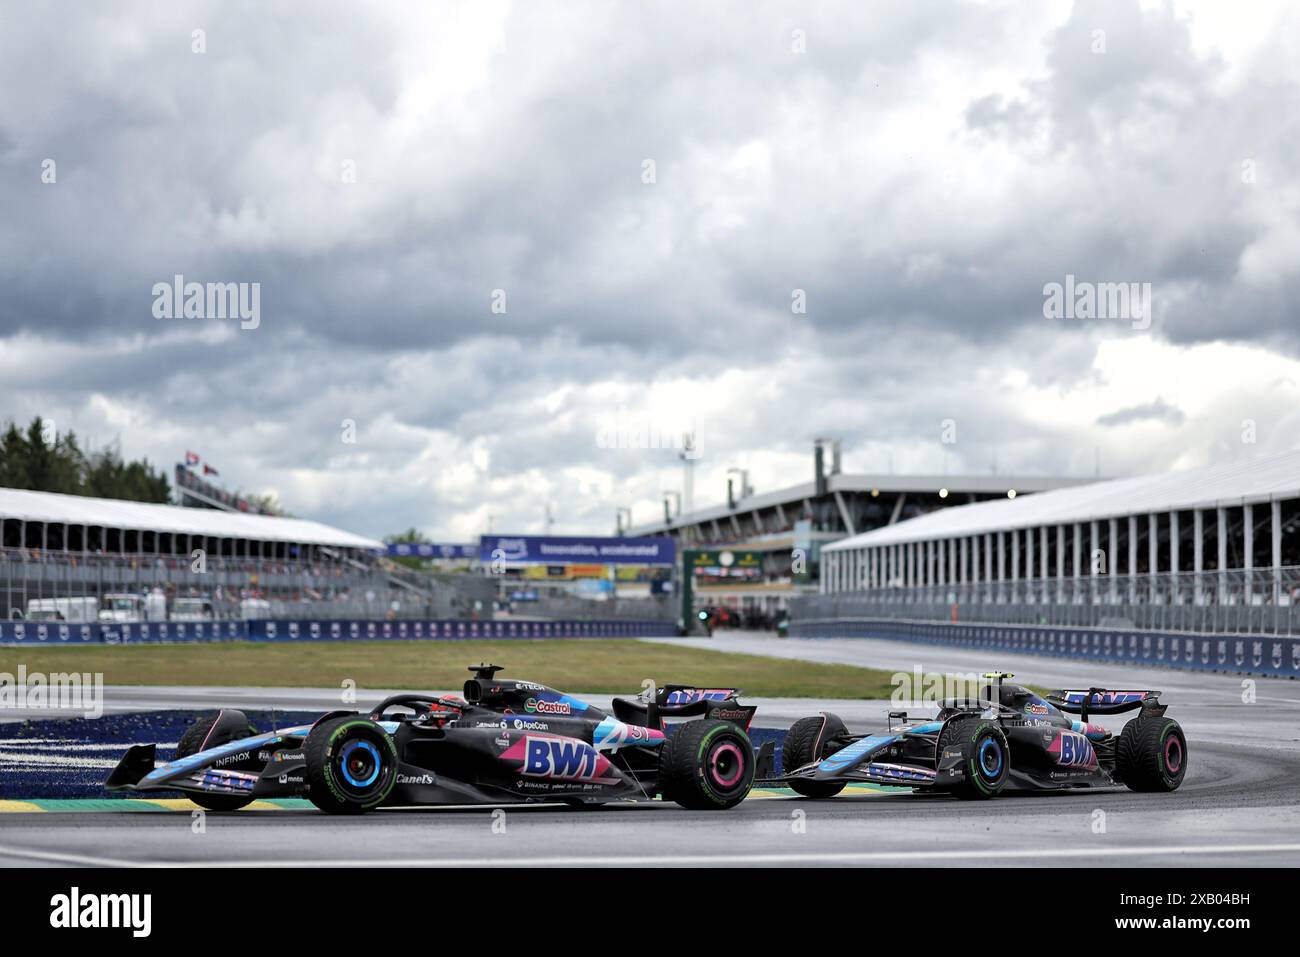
(923, 267)
(1157, 410)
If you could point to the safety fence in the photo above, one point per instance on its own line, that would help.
(52, 633)
(1240, 601)
(609, 609)
(76, 586)
(1241, 654)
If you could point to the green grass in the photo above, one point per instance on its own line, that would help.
(592, 666)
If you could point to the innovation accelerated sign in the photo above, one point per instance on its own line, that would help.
(555, 550)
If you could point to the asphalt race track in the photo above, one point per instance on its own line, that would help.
(1239, 806)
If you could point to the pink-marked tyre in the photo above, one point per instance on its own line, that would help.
(809, 740)
(209, 733)
(1151, 754)
(706, 765)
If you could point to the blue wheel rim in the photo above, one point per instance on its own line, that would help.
(996, 769)
(347, 752)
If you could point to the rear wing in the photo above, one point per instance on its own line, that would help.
(675, 695)
(1102, 701)
(687, 701)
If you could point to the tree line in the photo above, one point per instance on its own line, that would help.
(40, 459)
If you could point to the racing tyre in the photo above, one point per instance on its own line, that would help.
(985, 758)
(208, 733)
(798, 750)
(351, 765)
(1151, 755)
(706, 765)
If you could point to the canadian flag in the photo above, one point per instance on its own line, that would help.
(191, 458)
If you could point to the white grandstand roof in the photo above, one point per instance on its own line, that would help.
(1235, 483)
(113, 513)
(795, 495)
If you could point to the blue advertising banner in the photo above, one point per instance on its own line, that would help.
(1235, 654)
(20, 633)
(422, 550)
(117, 633)
(553, 550)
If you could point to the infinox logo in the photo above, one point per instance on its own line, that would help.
(541, 706)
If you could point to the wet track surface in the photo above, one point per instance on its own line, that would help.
(1239, 806)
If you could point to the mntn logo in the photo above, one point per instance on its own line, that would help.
(566, 759)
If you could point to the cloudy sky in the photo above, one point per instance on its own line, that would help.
(504, 240)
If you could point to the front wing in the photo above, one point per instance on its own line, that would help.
(225, 769)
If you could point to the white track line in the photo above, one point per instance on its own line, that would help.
(46, 759)
(671, 860)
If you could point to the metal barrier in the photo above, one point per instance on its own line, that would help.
(608, 609)
(1232, 601)
(291, 588)
(1241, 654)
(18, 633)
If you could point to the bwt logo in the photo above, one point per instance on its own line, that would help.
(564, 759)
(214, 300)
(511, 549)
(1073, 750)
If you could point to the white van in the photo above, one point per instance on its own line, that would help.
(76, 610)
(121, 608)
(192, 609)
(125, 607)
(250, 608)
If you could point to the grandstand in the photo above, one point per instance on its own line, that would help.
(839, 505)
(1210, 550)
(143, 558)
(196, 492)
(793, 527)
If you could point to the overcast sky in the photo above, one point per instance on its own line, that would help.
(505, 239)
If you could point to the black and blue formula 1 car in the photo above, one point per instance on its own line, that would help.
(504, 742)
(1008, 738)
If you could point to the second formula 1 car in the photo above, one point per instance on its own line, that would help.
(504, 742)
(1008, 738)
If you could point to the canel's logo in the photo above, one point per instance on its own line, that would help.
(415, 779)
